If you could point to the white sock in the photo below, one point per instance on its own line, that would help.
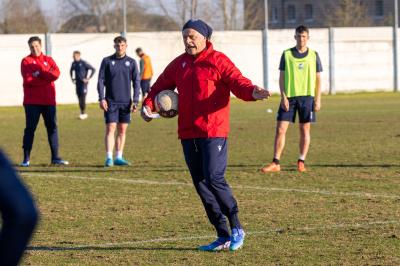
(109, 155)
(118, 154)
(302, 157)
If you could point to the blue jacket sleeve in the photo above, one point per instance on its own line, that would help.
(136, 82)
(71, 70)
(101, 80)
(91, 68)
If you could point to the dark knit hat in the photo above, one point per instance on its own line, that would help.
(200, 26)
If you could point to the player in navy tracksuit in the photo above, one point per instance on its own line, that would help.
(117, 74)
(18, 212)
(81, 79)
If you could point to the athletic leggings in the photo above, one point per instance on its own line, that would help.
(82, 102)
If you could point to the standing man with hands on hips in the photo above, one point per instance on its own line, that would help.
(204, 79)
(117, 74)
(81, 79)
(300, 85)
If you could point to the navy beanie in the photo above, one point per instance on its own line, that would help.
(200, 26)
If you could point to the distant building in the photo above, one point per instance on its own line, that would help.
(290, 13)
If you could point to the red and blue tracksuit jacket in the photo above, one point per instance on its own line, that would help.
(39, 90)
(204, 84)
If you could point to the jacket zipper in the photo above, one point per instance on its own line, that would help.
(193, 91)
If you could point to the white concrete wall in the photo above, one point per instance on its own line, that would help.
(363, 57)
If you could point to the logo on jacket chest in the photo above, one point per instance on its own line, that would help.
(183, 64)
(45, 63)
(301, 66)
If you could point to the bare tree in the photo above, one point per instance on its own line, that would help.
(229, 13)
(99, 10)
(180, 11)
(193, 9)
(348, 13)
(23, 16)
(106, 16)
(254, 15)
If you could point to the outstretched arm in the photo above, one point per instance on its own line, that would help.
(240, 86)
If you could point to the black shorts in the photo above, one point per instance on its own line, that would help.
(118, 113)
(303, 105)
(145, 85)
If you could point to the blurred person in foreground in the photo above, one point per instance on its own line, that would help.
(18, 212)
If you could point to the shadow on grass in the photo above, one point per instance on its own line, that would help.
(95, 248)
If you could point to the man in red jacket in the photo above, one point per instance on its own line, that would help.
(39, 73)
(204, 79)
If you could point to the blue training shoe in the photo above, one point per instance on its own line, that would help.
(220, 244)
(237, 239)
(59, 161)
(25, 164)
(121, 161)
(109, 162)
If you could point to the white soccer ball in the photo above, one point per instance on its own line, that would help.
(166, 103)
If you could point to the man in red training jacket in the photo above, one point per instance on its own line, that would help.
(39, 73)
(205, 79)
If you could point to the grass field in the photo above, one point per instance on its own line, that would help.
(345, 210)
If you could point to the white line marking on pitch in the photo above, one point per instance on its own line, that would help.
(177, 183)
(185, 238)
